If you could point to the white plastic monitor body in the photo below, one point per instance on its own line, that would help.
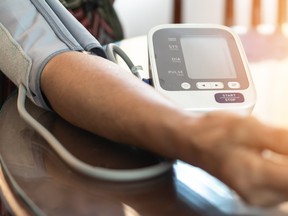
(201, 68)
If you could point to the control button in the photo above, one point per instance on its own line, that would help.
(216, 85)
(234, 85)
(185, 85)
(229, 97)
(203, 85)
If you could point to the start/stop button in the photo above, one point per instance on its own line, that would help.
(229, 97)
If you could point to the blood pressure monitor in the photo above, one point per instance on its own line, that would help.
(201, 67)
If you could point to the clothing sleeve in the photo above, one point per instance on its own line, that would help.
(34, 31)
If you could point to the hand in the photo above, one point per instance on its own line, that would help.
(234, 149)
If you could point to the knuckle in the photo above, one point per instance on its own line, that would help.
(246, 178)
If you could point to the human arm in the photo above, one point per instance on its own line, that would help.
(121, 108)
(97, 95)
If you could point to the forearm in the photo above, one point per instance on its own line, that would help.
(98, 96)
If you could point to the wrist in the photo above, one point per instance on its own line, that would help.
(175, 136)
(209, 137)
(187, 146)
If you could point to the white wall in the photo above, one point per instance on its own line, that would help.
(138, 16)
(203, 11)
(212, 11)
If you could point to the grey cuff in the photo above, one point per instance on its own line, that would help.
(38, 31)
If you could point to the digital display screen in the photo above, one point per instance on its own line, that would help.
(207, 57)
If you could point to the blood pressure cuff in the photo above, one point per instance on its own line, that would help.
(34, 31)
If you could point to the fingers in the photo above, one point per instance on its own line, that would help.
(242, 153)
(260, 182)
(276, 140)
(273, 188)
(250, 132)
(263, 137)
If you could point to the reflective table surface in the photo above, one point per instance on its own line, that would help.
(45, 185)
(34, 180)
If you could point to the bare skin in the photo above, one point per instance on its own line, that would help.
(100, 97)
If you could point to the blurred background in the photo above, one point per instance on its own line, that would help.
(139, 16)
(261, 24)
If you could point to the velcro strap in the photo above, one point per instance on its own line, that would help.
(14, 62)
